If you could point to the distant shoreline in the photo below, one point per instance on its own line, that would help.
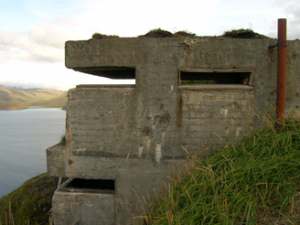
(19, 109)
(35, 107)
(15, 99)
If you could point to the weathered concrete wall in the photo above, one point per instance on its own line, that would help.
(132, 134)
(134, 179)
(80, 207)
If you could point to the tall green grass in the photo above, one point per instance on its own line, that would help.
(255, 182)
(30, 203)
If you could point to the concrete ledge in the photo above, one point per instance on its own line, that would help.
(216, 87)
(56, 160)
(105, 86)
(79, 208)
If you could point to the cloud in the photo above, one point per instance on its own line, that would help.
(135, 17)
(48, 35)
(41, 43)
(65, 21)
(289, 10)
(34, 56)
(47, 75)
(293, 23)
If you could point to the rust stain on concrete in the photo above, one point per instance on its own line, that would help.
(69, 155)
(179, 111)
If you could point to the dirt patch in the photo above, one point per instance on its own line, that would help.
(244, 34)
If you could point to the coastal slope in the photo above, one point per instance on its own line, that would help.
(14, 99)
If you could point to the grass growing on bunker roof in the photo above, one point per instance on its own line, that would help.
(156, 33)
(160, 33)
(243, 34)
(103, 36)
(256, 182)
(184, 34)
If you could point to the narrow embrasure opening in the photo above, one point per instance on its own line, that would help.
(110, 72)
(117, 75)
(89, 185)
(92, 184)
(198, 77)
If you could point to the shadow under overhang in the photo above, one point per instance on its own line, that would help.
(109, 72)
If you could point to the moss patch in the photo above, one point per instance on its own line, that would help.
(30, 202)
(184, 34)
(103, 36)
(244, 34)
(158, 33)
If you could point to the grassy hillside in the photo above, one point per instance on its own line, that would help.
(57, 102)
(30, 202)
(11, 98)
(256, 182)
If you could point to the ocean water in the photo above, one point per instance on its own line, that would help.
(24, 137)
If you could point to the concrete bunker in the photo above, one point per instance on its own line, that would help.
(130, 135)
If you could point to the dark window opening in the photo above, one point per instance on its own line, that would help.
(118, 75)
(89, 185)
(199, 77)
(110, 72)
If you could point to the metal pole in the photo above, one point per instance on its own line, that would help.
(281, 69)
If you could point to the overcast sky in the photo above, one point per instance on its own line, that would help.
(33, 32)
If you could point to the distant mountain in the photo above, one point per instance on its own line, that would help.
(12, 98)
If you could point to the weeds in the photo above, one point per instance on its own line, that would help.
(30, 202)
(243, 33)
(63, 140)
(256, 182)
(103, 36)
(9, 218)
(158, 33)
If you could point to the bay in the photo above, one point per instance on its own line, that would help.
(24, 137)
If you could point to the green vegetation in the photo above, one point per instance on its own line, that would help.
(57, 102)
(63, 140)
(103, 36)
(184, 33)
(243, 33)
(11, 98)
(158, 33)
(30, 203)
(255, 182)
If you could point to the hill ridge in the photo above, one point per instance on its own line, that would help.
(16, 98)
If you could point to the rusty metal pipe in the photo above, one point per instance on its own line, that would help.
(281, 69)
